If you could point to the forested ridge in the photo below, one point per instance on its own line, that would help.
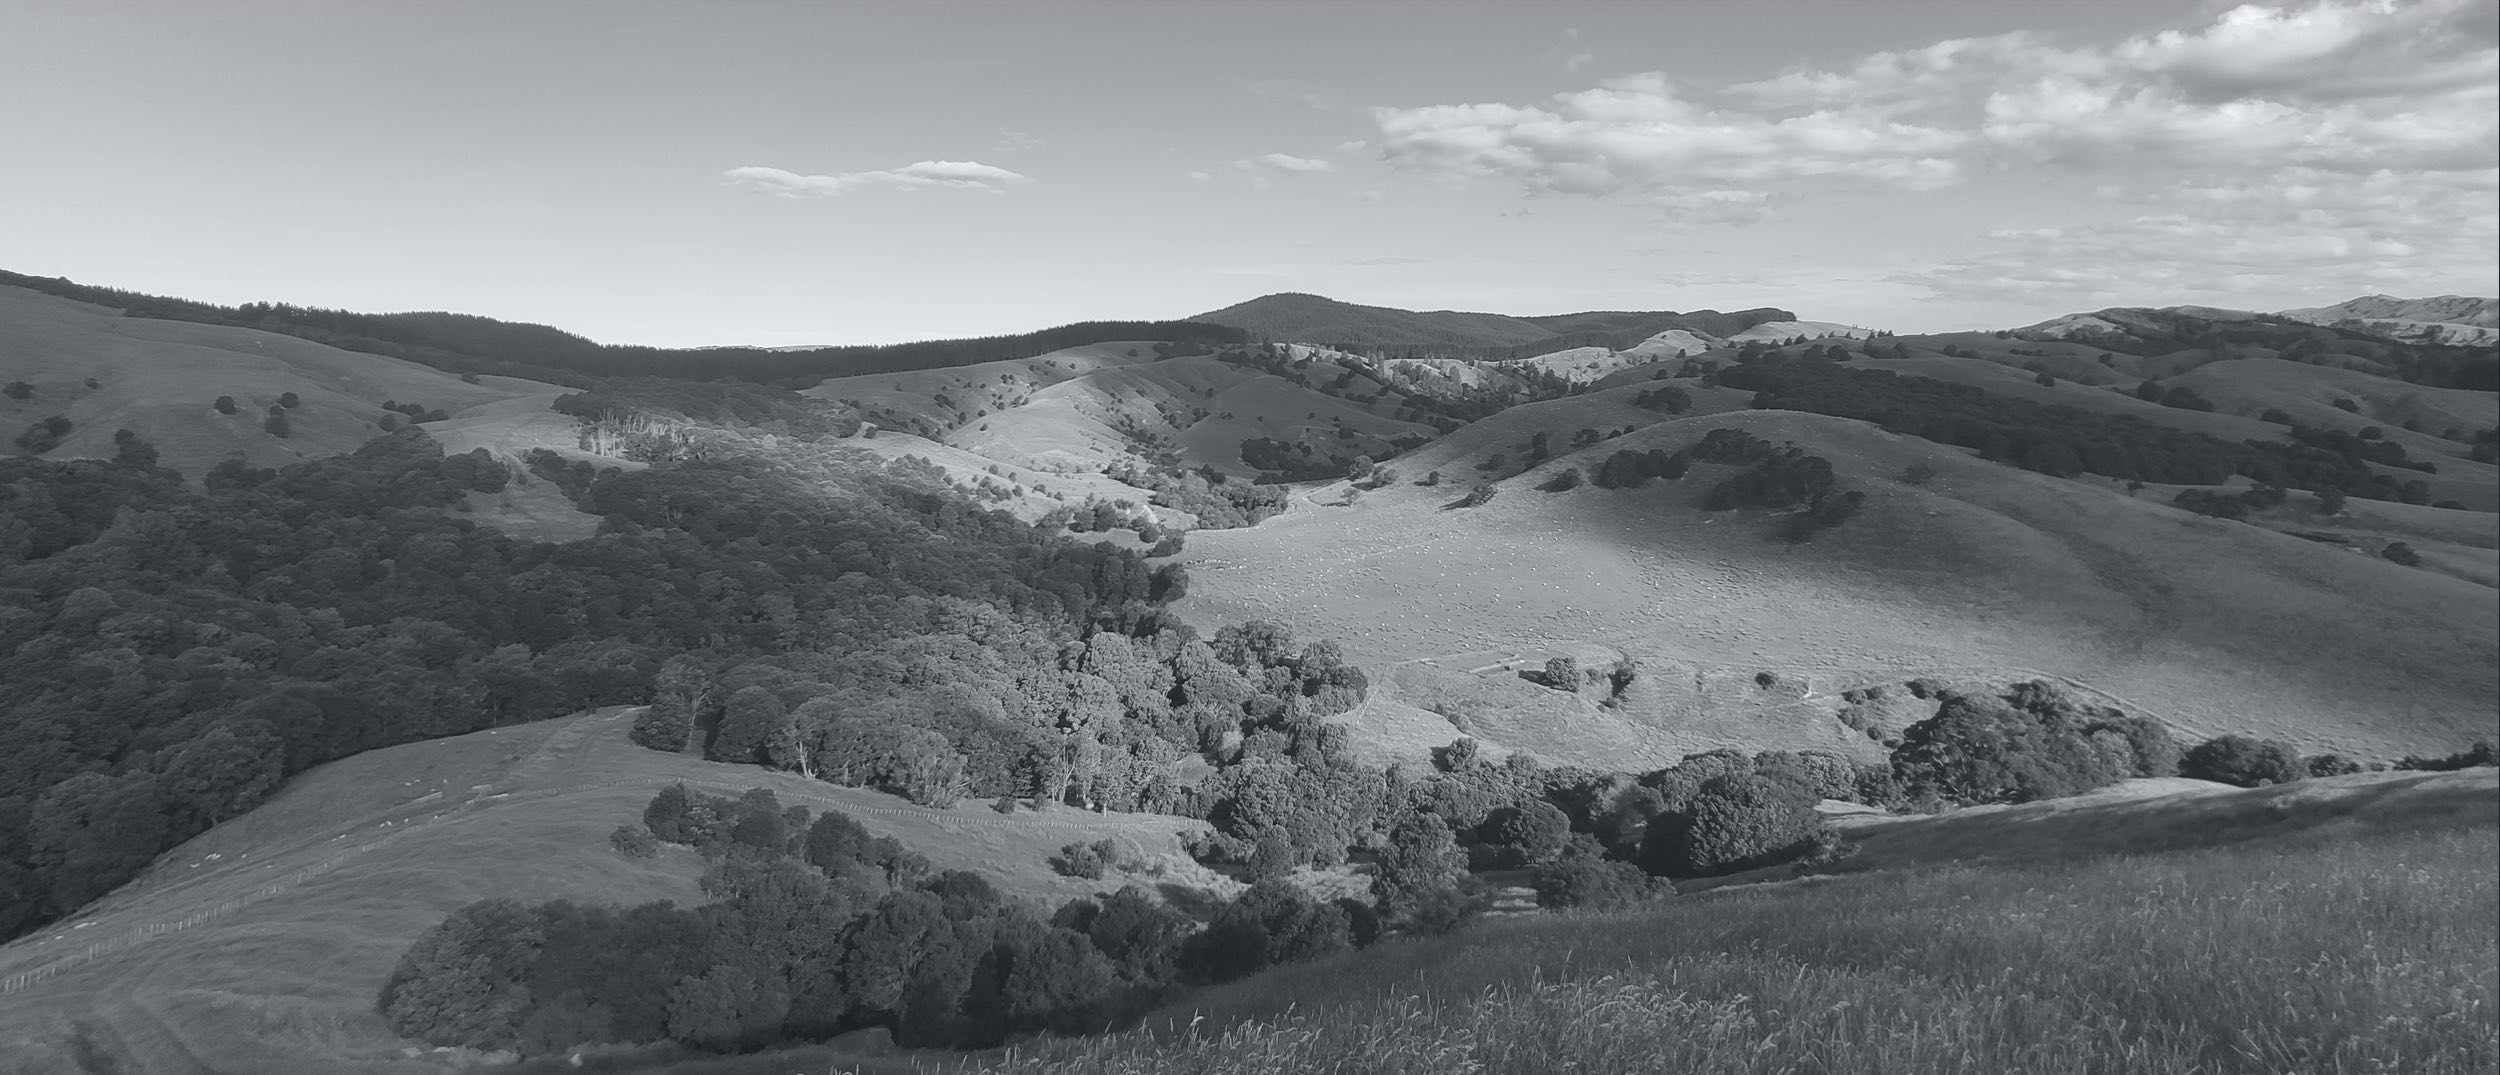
(173, 653)
(467, 343)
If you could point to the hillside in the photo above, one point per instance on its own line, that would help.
(1983, 574)
(103, 371)
(2453, 319)
(1301, 318)
(2342, 925)
(260, 945)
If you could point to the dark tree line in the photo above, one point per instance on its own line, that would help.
(465, 343)
(2063, 441)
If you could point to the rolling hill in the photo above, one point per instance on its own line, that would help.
(2453, 319)
(1302, 318)
(260, 945)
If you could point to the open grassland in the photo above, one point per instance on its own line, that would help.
(260, 946)
(1983, 573)
(2362, 944)
(159, 379)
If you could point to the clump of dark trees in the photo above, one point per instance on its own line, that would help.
(1209, 495)
(173, 653)
(816, 929)
(1779, 477)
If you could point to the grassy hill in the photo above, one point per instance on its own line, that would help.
(260, 945)
(1301, 318)
(1984, 574)
(159, 378)
(2335, 926)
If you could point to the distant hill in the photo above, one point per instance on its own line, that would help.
(2450, 319)
(1301, 318)
(2175, 339)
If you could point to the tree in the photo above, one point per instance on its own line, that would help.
(2330, 501)
(1528, 834)
(224, 772)
(276, 423)
(2243, 760)
(18, 390)
(132, 452)
(463, 982)
(1422, 858)
(753, 718)
(1735, 823)
(290, 400)
(225, 405)
(1587, 881)
(2398, 552)
(1562, 673)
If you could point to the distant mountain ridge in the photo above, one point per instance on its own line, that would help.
(2449, 319)
(1304, 318)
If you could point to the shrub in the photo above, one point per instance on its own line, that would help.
(2275, 416)
(2149, 744)
(634, 843)
(1082, 859)
(2331, 765)
(2398, 552)
(1562, 673)
(18, 390)
(44, 436)
(1735, 823)
(2480, 755)
(1563, 481)
(290, 400)
(2348, 406)
(1918, 474)
(2243, 760)
(225, 405)
(276, 424)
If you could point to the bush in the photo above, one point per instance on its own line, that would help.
(290, 400)
(2398, 552)
(225, 405)
(18, 390)
(1735, 822)
(44, 436)
(1563, 481)
(2149, 743)
(1918, 474)
(634, 843)
(276, 424)
(2243, 760)
(1985, 750)
(2331, 765)
(1085, 860)
(2480, 755)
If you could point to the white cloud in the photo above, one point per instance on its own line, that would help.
(1574, 62)
(1018, 141)
(1285, 163)
(943, 175)
(1202, 177)
(2241, 243)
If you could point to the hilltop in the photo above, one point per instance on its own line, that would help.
(1302, 318)
(2451, 319)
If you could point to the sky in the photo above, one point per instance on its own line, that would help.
(779, 174)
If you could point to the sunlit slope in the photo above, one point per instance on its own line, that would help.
(260, 946)
(159, 379)
(1987, 573)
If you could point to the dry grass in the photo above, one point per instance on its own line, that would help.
(1985, 574)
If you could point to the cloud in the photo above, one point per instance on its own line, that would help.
(1017, 141)
(923, 175)
(2233, 242)
(2355, 85)
(1388, 260)
(1638, 136)
(1285, 163)
(1574, 62)
(1201, 177)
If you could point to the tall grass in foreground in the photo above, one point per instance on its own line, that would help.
(2311, 954)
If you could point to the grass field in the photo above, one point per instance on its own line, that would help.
(1986, 573)
(259, 946)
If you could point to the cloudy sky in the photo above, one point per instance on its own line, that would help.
(785, 173)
